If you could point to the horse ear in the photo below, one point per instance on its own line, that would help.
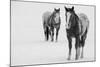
(65, 8)
(59, 9)
(54, 9)
(73, 8)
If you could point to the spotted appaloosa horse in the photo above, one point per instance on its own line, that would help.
(51, 21)
(77, 27)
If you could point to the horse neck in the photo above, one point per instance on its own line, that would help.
(74, 19)
(52, 16)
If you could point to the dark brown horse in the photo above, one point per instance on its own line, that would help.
(77, 27)
(51, 21)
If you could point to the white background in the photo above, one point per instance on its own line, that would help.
(4, 34)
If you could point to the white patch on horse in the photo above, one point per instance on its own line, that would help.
(57, 18)
(68, 18)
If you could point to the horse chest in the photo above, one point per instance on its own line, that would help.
(56, 19)
(73, 31)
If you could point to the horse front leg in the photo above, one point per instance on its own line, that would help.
(57, 30)
(52, 34)
(70, 46)
(77, 44)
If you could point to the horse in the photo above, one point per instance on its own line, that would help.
(51, 21)
(76, 27)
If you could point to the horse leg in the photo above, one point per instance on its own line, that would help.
(70, 46)
(57, 30)
(83, 38)
(77, 48)
(82, 44)
(82, 52)
(47, 35)
(45, 30)
(52, 34)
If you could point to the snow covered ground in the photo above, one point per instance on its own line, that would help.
(44, 52)
(27, 37)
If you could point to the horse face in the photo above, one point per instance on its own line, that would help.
(57, 15)
(68, 13)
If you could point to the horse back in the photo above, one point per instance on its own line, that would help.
(46, 16)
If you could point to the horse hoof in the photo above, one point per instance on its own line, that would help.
(56, 41)
(46, 40)
(82, 57)
(76, 58)
(51, 40)
(68, 58)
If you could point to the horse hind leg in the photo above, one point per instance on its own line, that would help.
(46, 33)
(83, 38)
(82, 45)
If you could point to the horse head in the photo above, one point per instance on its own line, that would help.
(69, 13)
(56, 15)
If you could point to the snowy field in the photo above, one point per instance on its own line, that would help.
(28, 45)
(44, 52)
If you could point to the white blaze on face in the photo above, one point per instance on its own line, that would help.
(67, 18)
(57, 18)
